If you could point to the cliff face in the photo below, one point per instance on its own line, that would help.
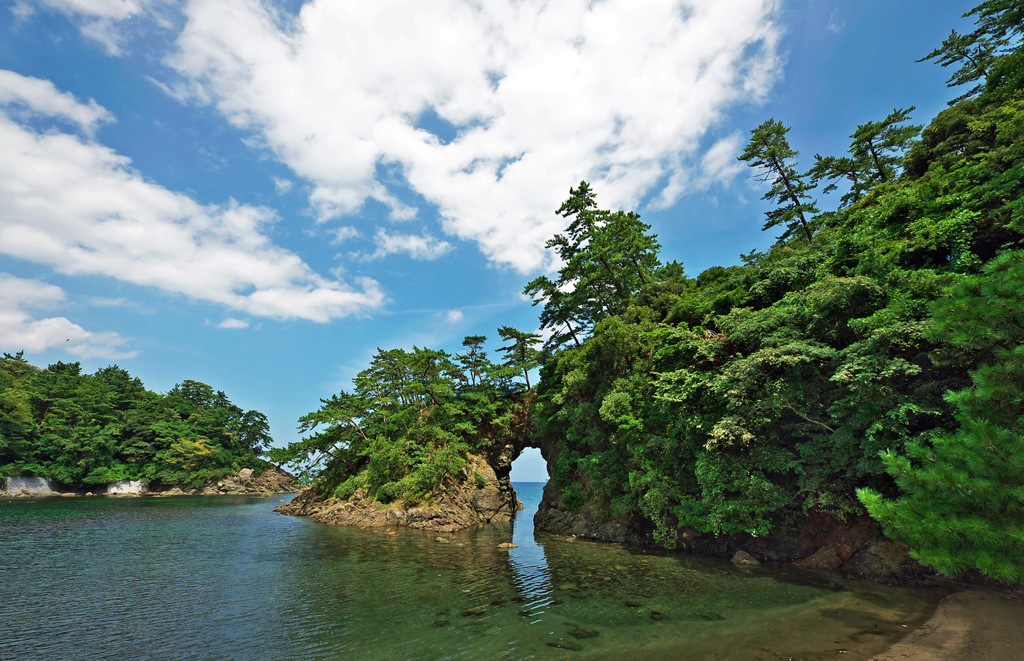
(461, 505)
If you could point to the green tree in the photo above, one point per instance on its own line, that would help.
(474, 359)
(407, 425)
(834, 168)
(521, 353)
(987, 56)
(879, 146)
(973, 54)
(81, 429)
(607, 258)
(769, 151)
(962, 501)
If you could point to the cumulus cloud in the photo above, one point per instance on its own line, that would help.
(417, 246)
(79, 207)
(453, 316)
(537, 94)
(20, 331)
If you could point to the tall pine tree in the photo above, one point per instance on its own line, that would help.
(769, 150)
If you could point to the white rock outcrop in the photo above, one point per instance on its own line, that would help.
(127, 487)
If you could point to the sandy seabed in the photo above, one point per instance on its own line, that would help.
(973, 625)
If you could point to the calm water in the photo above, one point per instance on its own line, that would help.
(227, 578)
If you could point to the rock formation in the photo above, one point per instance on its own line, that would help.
(466, 503)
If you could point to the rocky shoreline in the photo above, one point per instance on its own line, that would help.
(854, 549)
(245, 482)
(468, 502)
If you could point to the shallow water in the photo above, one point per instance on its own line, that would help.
(225, 577)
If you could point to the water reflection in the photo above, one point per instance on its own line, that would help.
(226, 578)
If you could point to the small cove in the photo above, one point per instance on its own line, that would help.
(225, 577)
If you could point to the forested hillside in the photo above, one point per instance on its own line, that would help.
(875, 340)
(92, 429)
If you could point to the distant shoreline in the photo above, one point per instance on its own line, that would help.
(273, 481)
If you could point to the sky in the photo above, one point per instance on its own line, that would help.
(259, 195)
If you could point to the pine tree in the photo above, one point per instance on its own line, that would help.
(834, 168)
(963, 495)
(769, 150)
(607, 258)
(879, 146)
(521, 353)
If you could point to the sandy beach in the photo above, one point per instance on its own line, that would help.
(973, 625)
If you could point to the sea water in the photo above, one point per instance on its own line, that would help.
(225, 577)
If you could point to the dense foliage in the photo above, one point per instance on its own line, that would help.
(739, 400)
(412, 417)
(82, 430)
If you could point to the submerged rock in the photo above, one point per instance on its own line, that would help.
(709, 616)
(744, 559)
(582, 632)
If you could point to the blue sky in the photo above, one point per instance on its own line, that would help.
(257, 196)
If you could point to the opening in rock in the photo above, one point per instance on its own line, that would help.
(529, 467)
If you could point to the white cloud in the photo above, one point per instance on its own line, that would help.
(233, 323)
(718, 165)
(416, 246)
(541, 95)
(282, 186)
(453, 316)
(100, 20)
(41, 97)
(102, 302)
(20, 331)
(79, 207)
(343, 234)
(835, 25)
(21, 10)
(721, 161)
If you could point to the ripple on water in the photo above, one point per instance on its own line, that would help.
(227, 578)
